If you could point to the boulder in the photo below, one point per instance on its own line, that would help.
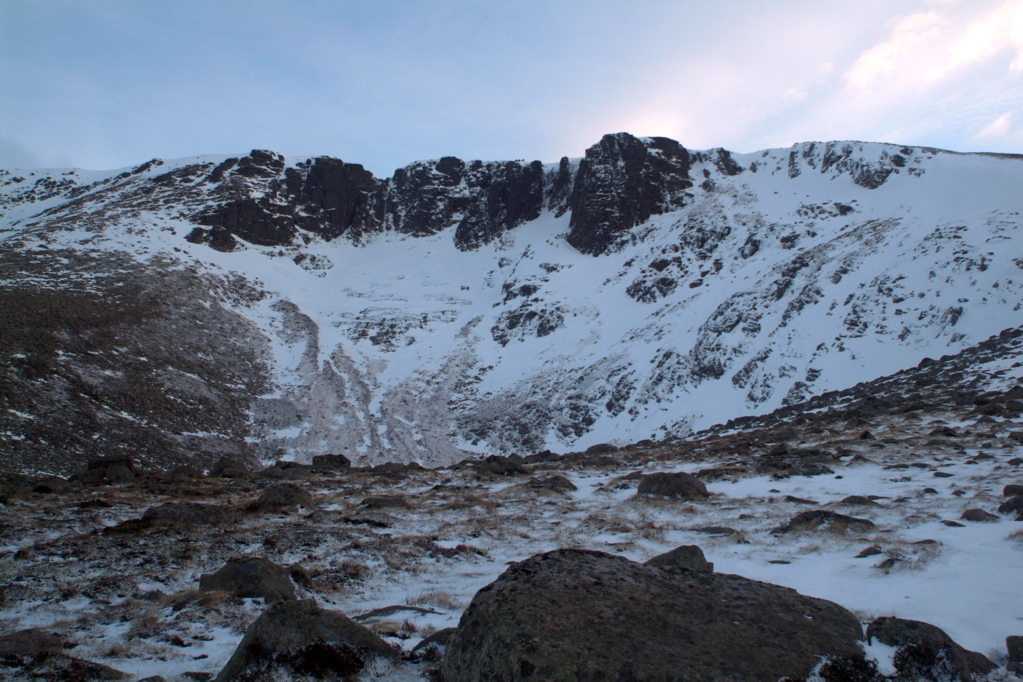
(925, 652)
(185, 514)
(678, 485)
(251, 577)
(385, 501)
(821, 519)
(689, 557)
(331, 463)
(1013, 505)
(1012, 489)
(1014, 645)
(554, 483)
(40, 655)
(585, 615)
(30, 643)
(978, 515)
(280, 496)
(235, 466)
(298, 639)
(51, 485)
(857, 501)
(117, 469)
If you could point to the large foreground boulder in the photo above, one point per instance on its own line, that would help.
(299, 640)
(584, 615)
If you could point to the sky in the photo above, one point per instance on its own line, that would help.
(108, 84)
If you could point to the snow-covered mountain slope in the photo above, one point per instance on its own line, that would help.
(292, 307)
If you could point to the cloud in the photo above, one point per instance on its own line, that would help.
(15, 155)
(997, 128)
(901, 53)
(925, 48)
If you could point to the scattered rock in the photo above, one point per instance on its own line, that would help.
(926, 652)
(1014, 645)
(601, 448)
(186, 514)
(372, 519)
(385, 502)
(331, 463)
(799, 500)
(554, 483)
(299, 639)
(576, 614)
(873, 550)
(41, 655)
(1012, 505)
(500, 466)
(1012, 490)
(284, 470)
(857, 501)
(978, 515)
(715, 530)
(281, 496)
(953, 524)
(235, 466)
(943, 474)
(251, 577)
(51, 485)
(678, 485)
(28, 643)
(888, 564)
(387, 611)
(115, 469)
(689, 557)
(826, 520)
(439, 640)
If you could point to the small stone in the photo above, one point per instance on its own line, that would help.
(953, 524)
(943, 474)
(873, 550)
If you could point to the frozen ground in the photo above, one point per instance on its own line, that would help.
(128, 598)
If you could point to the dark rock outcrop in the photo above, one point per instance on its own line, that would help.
(298, 639)
(621, 182)
(575, 614)
(925, 652)
(251, 577)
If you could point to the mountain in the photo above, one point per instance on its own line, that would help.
(278, 308)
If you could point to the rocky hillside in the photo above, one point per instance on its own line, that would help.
(280, 308)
